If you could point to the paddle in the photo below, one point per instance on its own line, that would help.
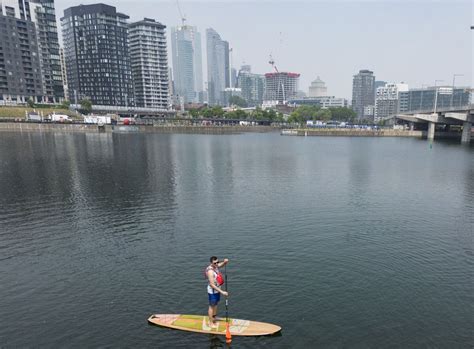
(228, 336)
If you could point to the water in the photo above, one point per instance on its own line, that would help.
(344, 242)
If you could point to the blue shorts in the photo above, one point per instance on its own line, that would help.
(214, 298)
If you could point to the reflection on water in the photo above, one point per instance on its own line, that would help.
(344, 242)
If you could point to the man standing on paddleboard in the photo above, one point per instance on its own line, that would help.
(215, 280)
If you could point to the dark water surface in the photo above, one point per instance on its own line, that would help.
(344, 242)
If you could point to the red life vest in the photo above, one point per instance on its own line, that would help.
(218, 278)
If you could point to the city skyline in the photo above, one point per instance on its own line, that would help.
(349, 36)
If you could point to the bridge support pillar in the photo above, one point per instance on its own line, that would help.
(431, 130)
(466, 132)
(412, 126)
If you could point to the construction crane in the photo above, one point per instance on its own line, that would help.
(183, 18)
(280, 85)
(272, 63)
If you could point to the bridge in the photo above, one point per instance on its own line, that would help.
(460, 115)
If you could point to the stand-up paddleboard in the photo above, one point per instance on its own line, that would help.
(200, 323)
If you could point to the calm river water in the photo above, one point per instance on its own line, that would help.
(344, 242)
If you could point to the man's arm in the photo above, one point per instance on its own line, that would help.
(224, 262)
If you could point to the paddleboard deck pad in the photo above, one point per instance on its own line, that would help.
(200, 323)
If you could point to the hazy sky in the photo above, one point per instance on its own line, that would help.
(416, 42)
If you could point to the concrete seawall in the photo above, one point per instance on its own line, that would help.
(208, 129)
(43, 127)
(47, 127)
(353, 132)
(342, 132)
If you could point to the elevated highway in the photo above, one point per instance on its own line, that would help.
(461, 116)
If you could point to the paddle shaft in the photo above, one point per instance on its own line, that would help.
(226, 298)
(228, 335)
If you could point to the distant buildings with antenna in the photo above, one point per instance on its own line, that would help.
(187, 64)
(116, 63)
(218, 67)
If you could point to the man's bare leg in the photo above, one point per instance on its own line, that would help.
(215, 312)
(211, 313)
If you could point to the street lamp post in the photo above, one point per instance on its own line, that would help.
(452, 94)
(421, 97)
(436, 95)
(75, 101)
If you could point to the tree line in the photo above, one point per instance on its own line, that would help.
(300, 115)
(312, 112)
(217, 112)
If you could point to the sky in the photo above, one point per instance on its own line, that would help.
(416, 42)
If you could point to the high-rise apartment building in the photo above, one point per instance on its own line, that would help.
(363, 94)
(149, 62)
(187, 63)
(29, 60)
(218, 73)
(97, 55)
(386, 100)
(281, 86)
(44, 16)
(252, 86)
(377, 84)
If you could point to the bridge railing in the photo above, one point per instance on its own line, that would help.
(459, 109)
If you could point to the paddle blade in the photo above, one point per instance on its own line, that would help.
(228, 336)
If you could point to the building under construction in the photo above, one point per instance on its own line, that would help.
(281, 86)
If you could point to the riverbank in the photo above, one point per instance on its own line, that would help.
(21, 112)
(214, 129)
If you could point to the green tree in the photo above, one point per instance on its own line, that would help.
(295, 118)
(230, 115)
(65, 104)
(270, 114)
(302, 113)
(236, 115)
(238, 101)
(257, 114)
(305, 112)
(30, 102)
(86, 106)
(217, 112)
(206, 113)
(343, 114)
(322, 114)
(195, 113)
